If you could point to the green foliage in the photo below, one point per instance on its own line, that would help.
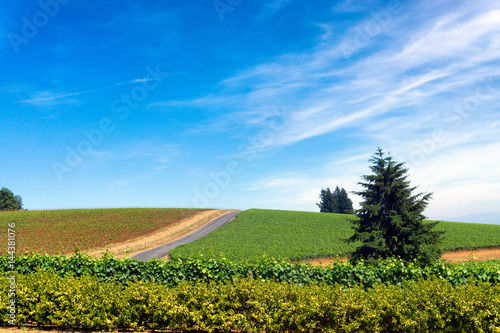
(171, 273)
(280, 234)
(46, 299)
(345, 204)
(391, 217)
(9, 201)
(254, 233)
(335, 202)
(468, 236)
(302, 235)
(328, 203)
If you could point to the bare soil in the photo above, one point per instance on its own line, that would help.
(472, 255)
(160, 237)
(324, 261)
(456, 256)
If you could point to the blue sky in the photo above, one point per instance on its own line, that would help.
(247, 104)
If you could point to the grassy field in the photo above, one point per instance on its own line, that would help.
(62, 231)
(303, 235)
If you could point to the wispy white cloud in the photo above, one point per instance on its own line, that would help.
(463, 180)
(396, 96)
(51, 98)
(162, 154)
(140, 80)
(372, 86)
(156, 156)
(453, 37)
(47, 98)
(101, 153)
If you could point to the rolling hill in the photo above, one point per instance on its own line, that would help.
(303, 235)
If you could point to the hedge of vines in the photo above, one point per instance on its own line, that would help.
(250, 305)
(171, 273)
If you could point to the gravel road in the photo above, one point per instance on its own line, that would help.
(162, 250)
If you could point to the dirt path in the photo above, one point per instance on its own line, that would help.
(169, 234)
(472, 255)
(457, 256)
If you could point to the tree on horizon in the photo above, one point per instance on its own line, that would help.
(328, 203)
(335, 202)
(9, 201)
(344, 203)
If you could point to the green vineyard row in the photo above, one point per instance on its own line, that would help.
(86, 303)
(171, 273)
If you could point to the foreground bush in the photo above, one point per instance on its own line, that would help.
(45, 298)
(171, 273)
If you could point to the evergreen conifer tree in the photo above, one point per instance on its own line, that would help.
(344, 203)
(338, 199)
(328, 203)
(390, 220)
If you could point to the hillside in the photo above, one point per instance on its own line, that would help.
(254, 233)
(302, 235)
(63, 231)
(284, 234)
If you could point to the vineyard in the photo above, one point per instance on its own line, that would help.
(254, 233)
(304, 235)
(75, 304)
(280, 234)
(460, 236)
(109, 268)
(211, 295)
(63, 231)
